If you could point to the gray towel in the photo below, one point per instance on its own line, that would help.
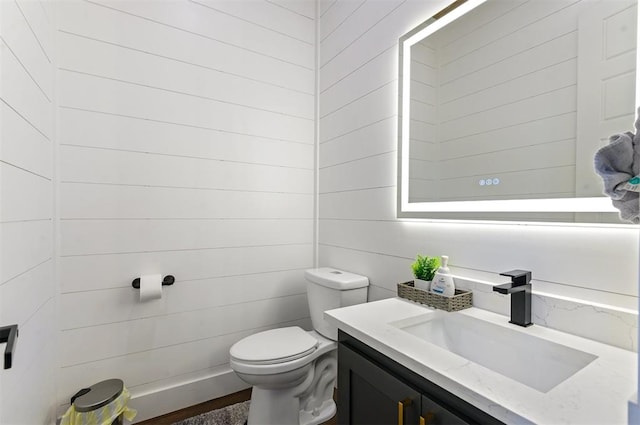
(616, 163)
(628, 206)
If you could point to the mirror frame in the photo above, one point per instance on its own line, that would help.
(572, 210)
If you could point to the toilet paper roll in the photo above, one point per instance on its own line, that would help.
(150, 287)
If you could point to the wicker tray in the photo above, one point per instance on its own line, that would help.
(460, 301)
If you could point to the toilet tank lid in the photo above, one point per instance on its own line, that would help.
(336, 279)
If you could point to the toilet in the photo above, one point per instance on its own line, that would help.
(293, 371)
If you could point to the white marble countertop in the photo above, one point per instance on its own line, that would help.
(597, 394)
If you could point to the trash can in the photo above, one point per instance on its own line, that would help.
(104, 403)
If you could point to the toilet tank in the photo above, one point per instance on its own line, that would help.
(329, 288)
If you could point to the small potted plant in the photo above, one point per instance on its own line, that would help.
(424, 268)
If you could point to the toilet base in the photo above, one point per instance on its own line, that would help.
(272, 413)
(273, 407)
(318, 416)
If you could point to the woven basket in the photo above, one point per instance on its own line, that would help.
(459, 301)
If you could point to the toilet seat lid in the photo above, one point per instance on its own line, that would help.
(274, 346)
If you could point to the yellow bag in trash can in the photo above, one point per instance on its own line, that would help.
(100, 404)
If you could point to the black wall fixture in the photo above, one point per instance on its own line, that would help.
(8, 334)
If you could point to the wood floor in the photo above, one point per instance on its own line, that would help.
(207, 406)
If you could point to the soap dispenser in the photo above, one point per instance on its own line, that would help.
(442, 283)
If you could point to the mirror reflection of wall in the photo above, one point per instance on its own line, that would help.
(512, 100)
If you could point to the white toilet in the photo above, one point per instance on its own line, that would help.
(293, 371)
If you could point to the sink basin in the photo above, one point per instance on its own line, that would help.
(528, 359)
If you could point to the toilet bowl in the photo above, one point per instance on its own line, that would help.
(293, 371)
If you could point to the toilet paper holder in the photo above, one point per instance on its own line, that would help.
(167, 280)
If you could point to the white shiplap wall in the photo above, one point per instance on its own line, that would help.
(27, 284)
(425, 157)
(186, 148)
(359, 230)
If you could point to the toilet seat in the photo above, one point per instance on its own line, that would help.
(274, 346)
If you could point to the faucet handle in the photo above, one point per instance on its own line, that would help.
(518, 277)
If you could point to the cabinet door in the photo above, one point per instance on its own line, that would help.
(369, 395)
(434, 414)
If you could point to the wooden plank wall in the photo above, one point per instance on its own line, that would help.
(186, 148)
(27, 262)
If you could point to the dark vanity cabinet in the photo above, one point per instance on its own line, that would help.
(373, 389)
(372, 395)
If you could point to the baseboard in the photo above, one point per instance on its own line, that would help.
(166, 400)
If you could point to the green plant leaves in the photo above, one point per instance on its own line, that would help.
(425, 267)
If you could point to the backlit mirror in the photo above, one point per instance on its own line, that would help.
(503, 104)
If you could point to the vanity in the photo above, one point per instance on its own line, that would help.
(402, 362)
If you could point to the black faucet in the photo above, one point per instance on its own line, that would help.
(520, 290)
